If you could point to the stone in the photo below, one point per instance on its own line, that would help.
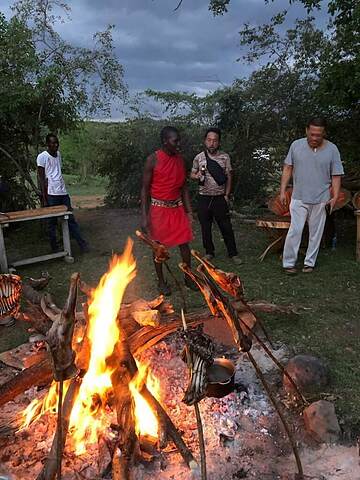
(321, 421)
(308, 372)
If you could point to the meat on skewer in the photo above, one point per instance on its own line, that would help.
(228, 281)
(161, 253)
(10, 291)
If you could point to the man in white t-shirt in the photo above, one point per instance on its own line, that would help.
(53, 190)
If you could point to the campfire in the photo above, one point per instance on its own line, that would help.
(90, 413)
(105, 388)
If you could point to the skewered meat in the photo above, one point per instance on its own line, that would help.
(10, 291)
(201, 350)
(228, 281)
(161, 254)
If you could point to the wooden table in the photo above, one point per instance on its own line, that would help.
(276, 228)
(357, 213)
(59, 211)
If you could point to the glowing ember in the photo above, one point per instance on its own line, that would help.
(89, 415)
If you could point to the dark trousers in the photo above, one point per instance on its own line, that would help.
(210, 208)
(74, 228)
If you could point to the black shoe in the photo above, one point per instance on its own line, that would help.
(189, 283)
(164, 289)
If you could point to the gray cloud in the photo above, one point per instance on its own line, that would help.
(187, 50)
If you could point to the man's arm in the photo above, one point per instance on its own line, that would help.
(285, 178)
(145, 191)
(185, 195)
(43, 185)
(336, 185)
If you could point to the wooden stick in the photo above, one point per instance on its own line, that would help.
(59, 449)
(51, 465)
(197, 412)
(170, 429)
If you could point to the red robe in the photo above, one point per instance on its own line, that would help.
(169, 226)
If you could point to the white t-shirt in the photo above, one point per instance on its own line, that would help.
(52, 165)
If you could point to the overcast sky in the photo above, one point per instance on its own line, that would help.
(187, 50)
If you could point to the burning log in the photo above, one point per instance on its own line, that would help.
(166, 425)
(38, 374)
(49, 470)
(121, 378)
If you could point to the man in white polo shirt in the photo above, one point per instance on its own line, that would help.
(54, 192)
(315, 165)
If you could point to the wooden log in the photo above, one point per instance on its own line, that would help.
(49, 470)
(125, 370)
(38, 374)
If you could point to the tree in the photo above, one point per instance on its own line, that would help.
(47, 84)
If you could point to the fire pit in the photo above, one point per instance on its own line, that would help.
(112, 409)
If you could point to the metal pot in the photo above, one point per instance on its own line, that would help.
(221, 376)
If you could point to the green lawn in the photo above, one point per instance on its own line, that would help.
(93, 185)
(329, 327)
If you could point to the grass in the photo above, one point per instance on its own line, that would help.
(75, 185)
(328, 328)
(93, 185)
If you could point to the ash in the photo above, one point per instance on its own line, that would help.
(243, 436)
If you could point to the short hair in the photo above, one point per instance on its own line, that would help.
(317, 122)
(51, 135)
(166, 131)
(213, 130)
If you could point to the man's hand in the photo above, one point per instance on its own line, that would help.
(195, 175)
(227, 198)
(331, 204)
(283, 199)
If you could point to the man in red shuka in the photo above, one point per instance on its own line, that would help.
(166, 213)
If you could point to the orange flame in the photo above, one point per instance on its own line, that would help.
(37, 408)
(146, 422)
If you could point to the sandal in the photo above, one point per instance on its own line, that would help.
(307, 269)
(290, 271)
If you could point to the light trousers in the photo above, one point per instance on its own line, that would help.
(301, 212)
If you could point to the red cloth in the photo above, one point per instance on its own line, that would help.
(170, 226)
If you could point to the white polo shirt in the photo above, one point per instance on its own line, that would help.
(52, 166)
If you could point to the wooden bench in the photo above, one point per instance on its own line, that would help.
(59, 211)
(276, 228)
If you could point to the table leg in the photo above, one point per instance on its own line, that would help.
(66, 239)
(3, 259)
